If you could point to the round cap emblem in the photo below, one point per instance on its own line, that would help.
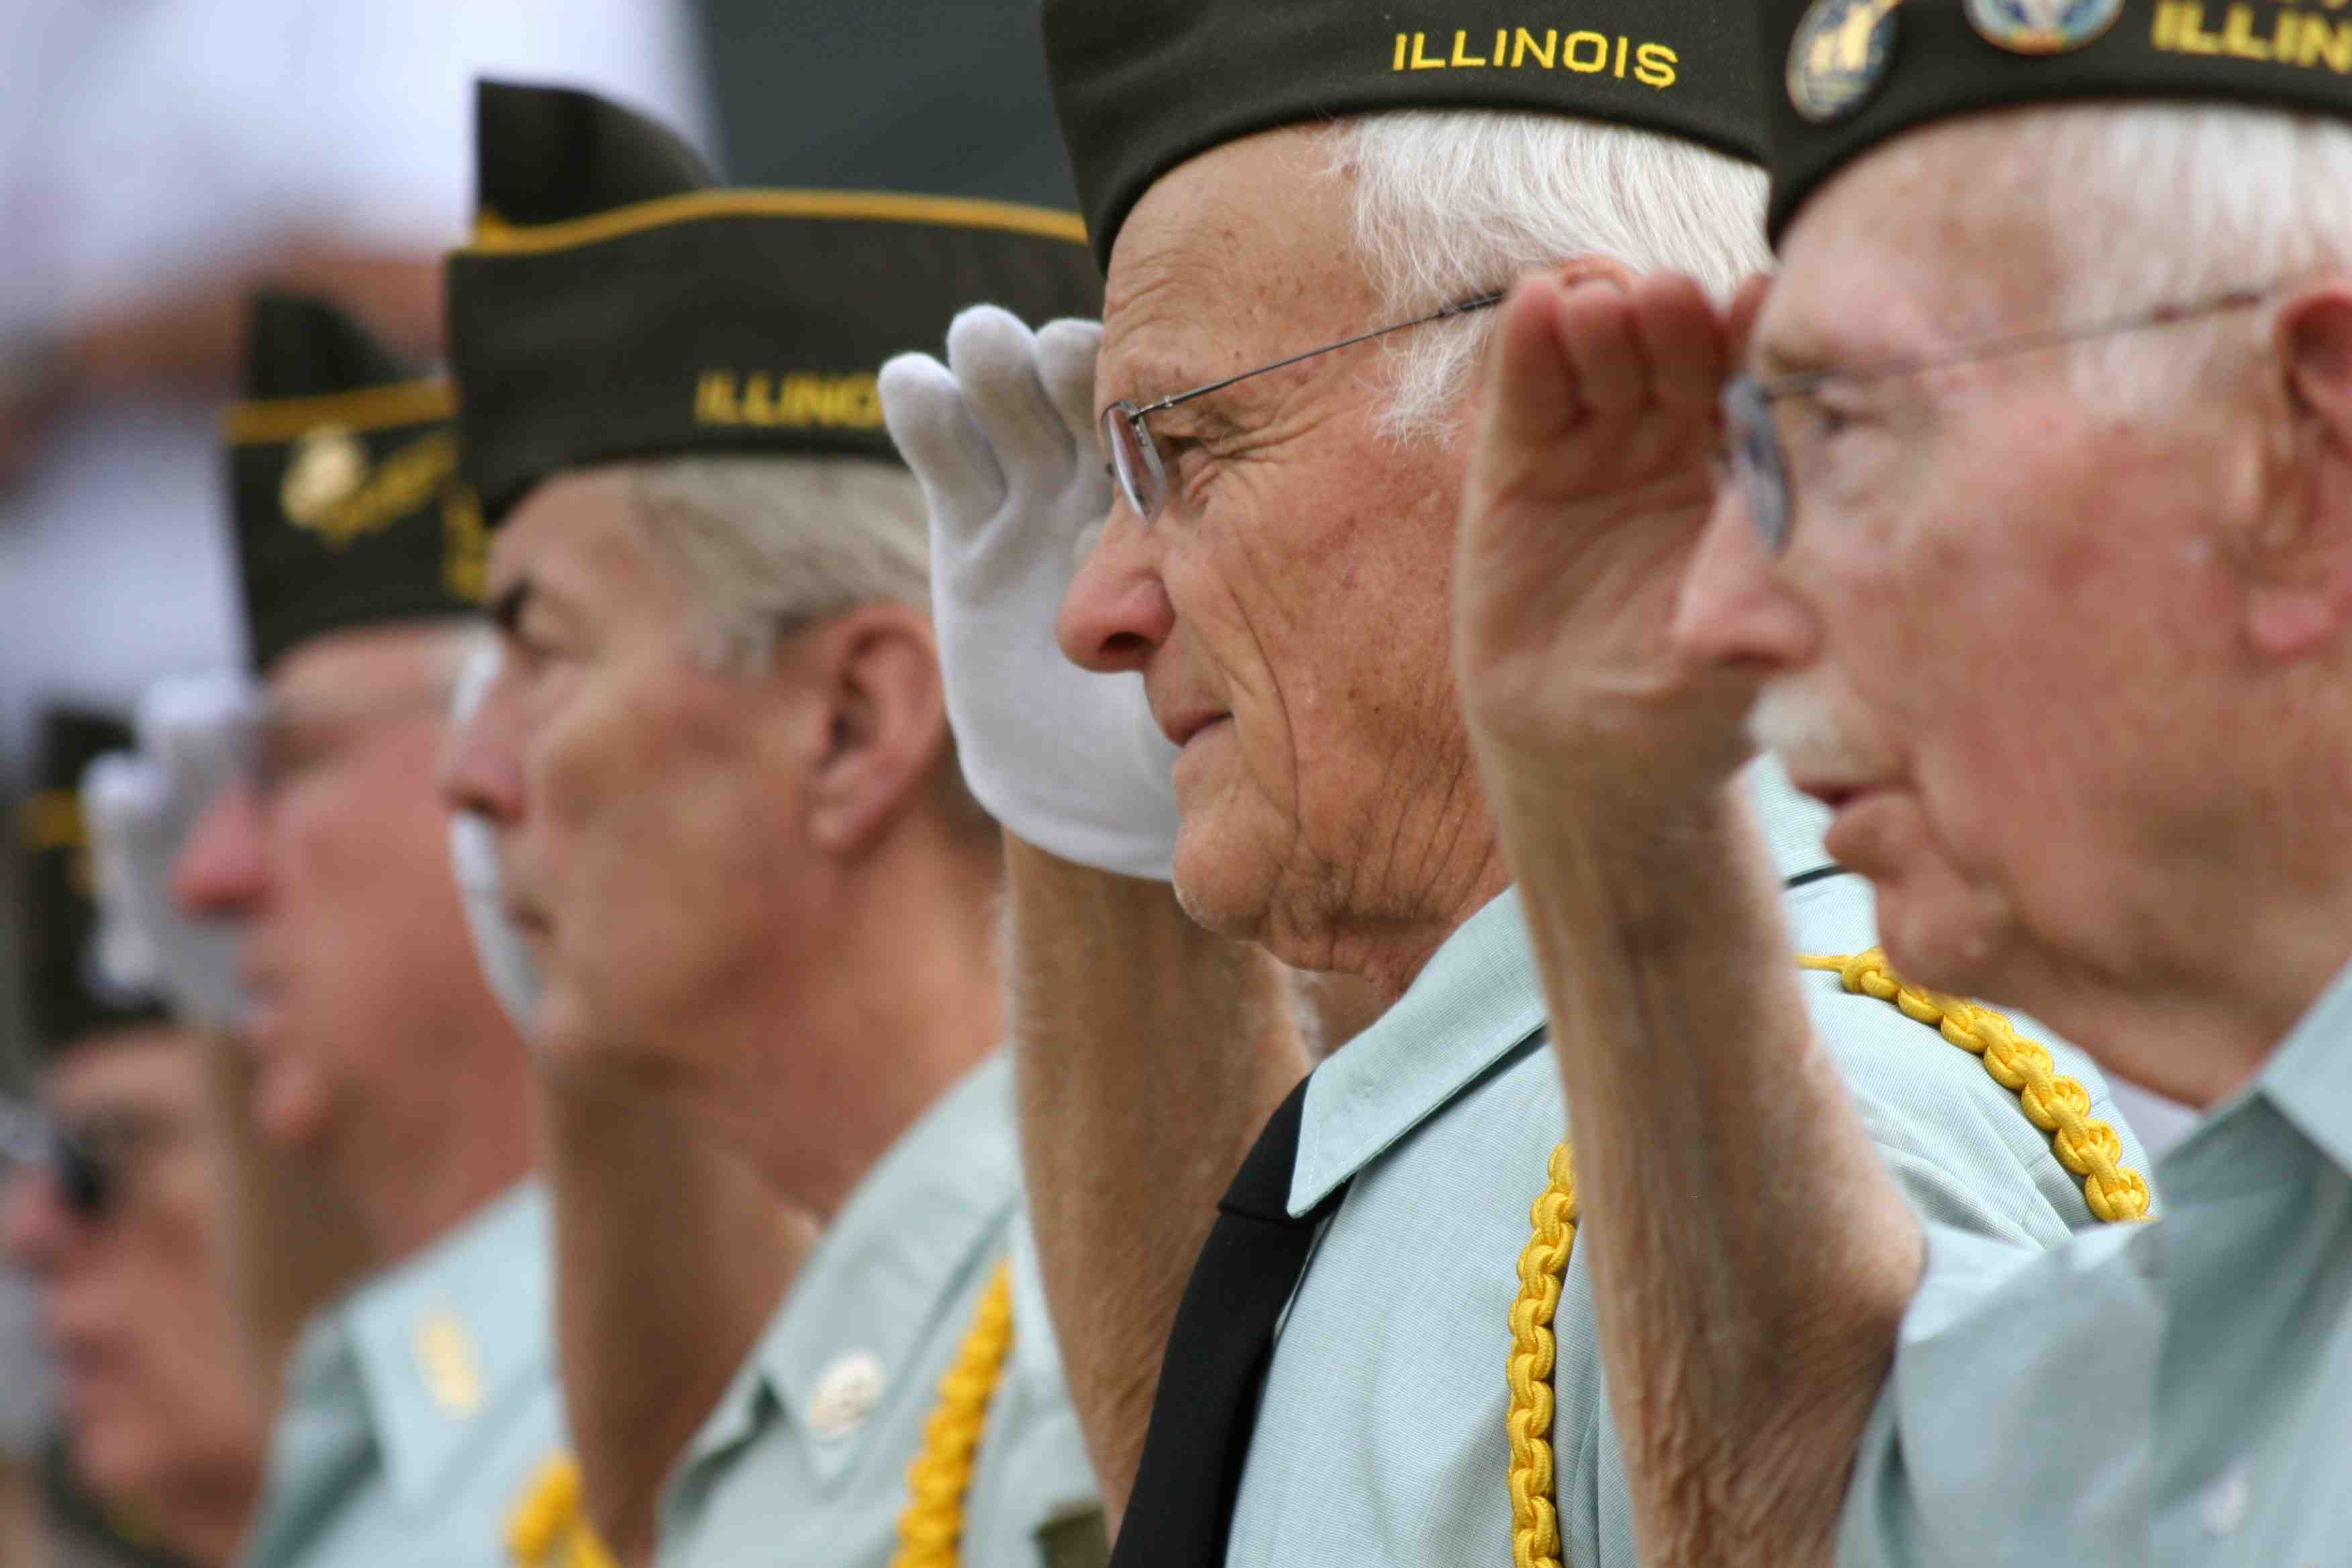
(328, 466)
(2042, 27)
(1839, 56)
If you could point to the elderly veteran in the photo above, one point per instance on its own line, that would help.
(117, 1221)
(718, 773)
(2038, 556)
(416, 1407)
(1375, 1355)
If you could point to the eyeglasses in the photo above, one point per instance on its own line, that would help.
(87, 1157)
(1759, 460)
(1135, 459)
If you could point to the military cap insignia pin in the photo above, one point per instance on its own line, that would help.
(328, 466)
(1839, 56)
(2042, 27)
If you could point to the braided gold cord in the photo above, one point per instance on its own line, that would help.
(930, 1531)
(2058, 1105)
(548, 1526)
(1543, 1265)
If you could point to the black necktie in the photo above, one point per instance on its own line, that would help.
(1183, 1506)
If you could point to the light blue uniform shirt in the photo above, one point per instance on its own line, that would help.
(804, 1458)
(2174, 1393)
(1380, 1436)
(418, 1412)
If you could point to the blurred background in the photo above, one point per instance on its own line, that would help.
(158, 160)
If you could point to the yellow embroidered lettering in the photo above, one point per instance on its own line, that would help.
(714, 399)
(2238, 38)
(1584, 52)
(1624, 43)
(1422, 62)
(2190, 34)
(1525, 44)
(1653, 66)
(757, 410)
(1460, 39)
(2322, 39)
(2161, 32)
(1399, 64)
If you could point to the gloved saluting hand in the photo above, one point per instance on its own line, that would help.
(1003, 438)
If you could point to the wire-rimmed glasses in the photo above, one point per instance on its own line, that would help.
(1135, 460)
(1759, 460)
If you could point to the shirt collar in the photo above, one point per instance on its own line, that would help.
(875, 1290)
(2308, 1079)
(1476, 999)
(445, 1340)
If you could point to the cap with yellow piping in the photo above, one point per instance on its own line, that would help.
(616, 302)
(343, 484)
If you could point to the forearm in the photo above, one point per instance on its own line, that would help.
(191, 340)
(671, 1254)
(1751, 1257)
(289, 1246)
(1149, 1054)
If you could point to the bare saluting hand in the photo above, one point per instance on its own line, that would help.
(1590, 481)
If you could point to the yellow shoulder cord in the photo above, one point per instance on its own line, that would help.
(2058, 1105)
(930, 1531)
(549, 1527)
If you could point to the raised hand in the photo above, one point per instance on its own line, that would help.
(1592, 479)
(1003, 438)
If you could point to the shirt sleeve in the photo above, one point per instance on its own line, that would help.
(2014, 1426)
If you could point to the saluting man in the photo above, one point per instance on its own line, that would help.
(417, 1406)
(1376, 1357)
(715, 764)
(2035, 568)
(117, 1220)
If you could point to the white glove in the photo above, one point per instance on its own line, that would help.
(505, 962)
(140, 807)
(1005, 446)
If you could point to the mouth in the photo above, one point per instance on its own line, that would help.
(1837, 794)
(1181, 728)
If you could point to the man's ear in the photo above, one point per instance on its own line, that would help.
(2299, 563)
(887, 725)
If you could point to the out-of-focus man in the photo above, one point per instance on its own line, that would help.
(2035, 570)
(118, 1225)
(716, 763)
(1377, 1353)
(418, 1406)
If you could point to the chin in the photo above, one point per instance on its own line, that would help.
(1219, 888)
(1942, 935)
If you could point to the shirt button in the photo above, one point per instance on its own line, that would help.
(2223, 1507)
(847, 1393)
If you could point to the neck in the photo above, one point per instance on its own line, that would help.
(891, 997)
(472, 1144)
(204, 1522)
(1386, 939)
(2198, 1027)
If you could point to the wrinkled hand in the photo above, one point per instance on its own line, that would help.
(1591, 482)
(1002, 439)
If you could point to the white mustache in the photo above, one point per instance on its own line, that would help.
(1798, 724)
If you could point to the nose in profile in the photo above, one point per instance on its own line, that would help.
(220, 872)
(1734, 609)
(1116, 610)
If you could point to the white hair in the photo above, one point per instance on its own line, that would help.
(767, 543)
(1450, 204)
(2156, 203)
